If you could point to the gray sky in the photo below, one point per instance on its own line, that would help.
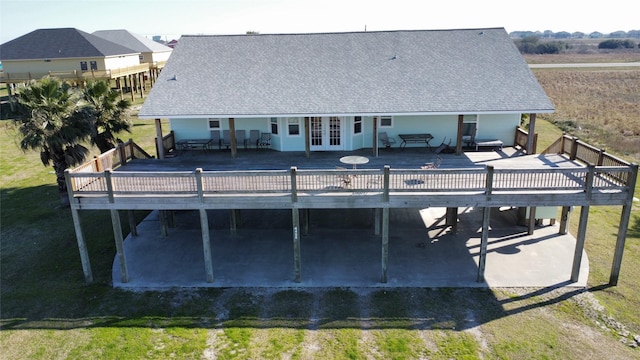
(170, 19)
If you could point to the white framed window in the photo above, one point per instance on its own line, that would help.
(214, 124)
(386, 121)
(357, 124)
(274, 126)
(293, 126)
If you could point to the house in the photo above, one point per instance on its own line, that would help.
(151, 52)
(337, 91)
(69, 54)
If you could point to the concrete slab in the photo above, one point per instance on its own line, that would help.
(342, 250)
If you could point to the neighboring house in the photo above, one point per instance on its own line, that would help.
(337, 91)
(151, 52)
(69, 54)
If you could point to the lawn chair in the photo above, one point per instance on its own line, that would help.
(226, 139)
(386, 140)
(432, 165)
(215, 138)
(241, 139)
(254, 137)
(443, 147)
(344, 178)
(265, 141)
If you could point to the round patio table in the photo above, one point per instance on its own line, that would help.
(354, 160)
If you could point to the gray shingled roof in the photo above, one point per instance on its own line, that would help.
(132, 41)
(389, 72)
(60, 44)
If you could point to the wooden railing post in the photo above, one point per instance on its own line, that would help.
(294, 184)
(574, 149)
(107, 179)
(198, 174)
(489, 182)
(385, 183)
(601, 155)
(589, 181)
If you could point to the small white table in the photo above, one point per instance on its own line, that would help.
(354, 160)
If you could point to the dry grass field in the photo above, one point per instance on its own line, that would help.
(600, 106)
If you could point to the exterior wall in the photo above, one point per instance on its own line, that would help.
(122, 61)
(159, 56)
(42, 66)
(441, 127)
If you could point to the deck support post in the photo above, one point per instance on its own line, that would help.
(297, 260)
(451, 219)
(233, 221)
(622, 228)
(82, 247)
(164, 226)
(385, 243)
(580, 239)
(531, 225)
(232, 136)
(565, 216)
(374, 146)
(531, 136)
(132, 223)
(117, 234)
(307, 140)
(206, 244)
(376, 221)
(159, 143)
(459, 135)
(484, 240)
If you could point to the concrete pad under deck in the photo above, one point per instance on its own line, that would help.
(341, 250)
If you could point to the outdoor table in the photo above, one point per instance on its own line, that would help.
(187, 144)
(354, 160)
(415, 138)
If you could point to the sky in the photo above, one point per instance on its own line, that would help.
(170, 19)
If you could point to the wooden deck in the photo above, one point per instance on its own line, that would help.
(272, 180)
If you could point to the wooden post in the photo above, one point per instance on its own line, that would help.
(233, 221)
(385, 243)
(376, 219)
(159, 142)
(297, 259)
(232, 135)
(131, 88)
(82, 247)
(531, 137)
(622, 228)
(531, 225)
(451, 219)
(374, 146)
(459, 135)
(305, 222)
(132, 223)
(117, 234)
(484, 240)
(564, 220)
(580, 239)
(307, 139)
(574, 149)
(164, 226)
(206, 244)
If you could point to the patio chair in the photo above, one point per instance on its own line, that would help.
(443, 147)
(215, 138)
(432, 165)
(254, 137)
(386, 140)
(240, 138)
(226, 139)
(265, 141)
(344, 178)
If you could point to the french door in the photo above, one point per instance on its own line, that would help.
(326, 133)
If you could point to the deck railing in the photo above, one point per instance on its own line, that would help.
(168, 143)
(588, 154)
(388, 182)
(74, 74)
(521, 138)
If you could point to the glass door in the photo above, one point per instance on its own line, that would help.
(326, 133)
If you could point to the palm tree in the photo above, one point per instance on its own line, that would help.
(105, 113)
(50, 122)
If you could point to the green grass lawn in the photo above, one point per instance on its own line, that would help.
(48, 312)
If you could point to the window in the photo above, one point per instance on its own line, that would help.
(214, 124)
(83, 66)
(386, 121)
(357, 124)
(274, 126)
(293, 126)
(94, 65)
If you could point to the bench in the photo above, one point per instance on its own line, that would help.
(488, 143)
